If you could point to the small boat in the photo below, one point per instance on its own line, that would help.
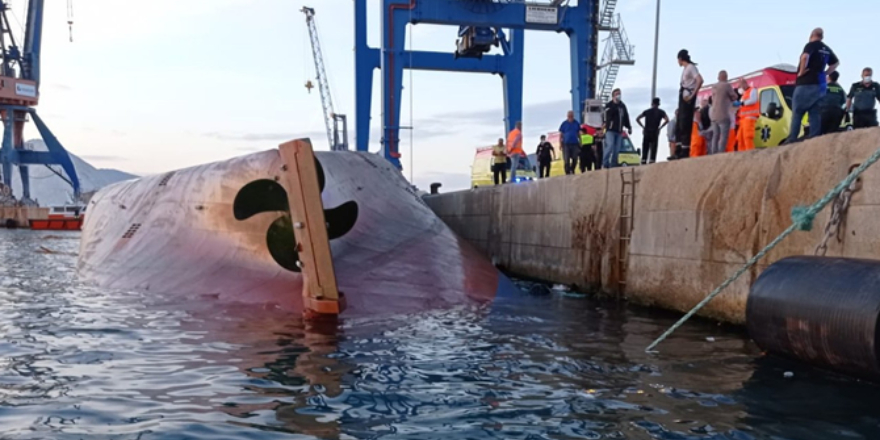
(61, 218)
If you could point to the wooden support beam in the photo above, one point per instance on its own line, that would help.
(321, 296)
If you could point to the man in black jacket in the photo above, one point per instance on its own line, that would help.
(616, 119)
(546, 155)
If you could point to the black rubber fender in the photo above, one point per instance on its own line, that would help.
(819, 310)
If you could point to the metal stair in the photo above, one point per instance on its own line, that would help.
(618, 49)
(606, 17)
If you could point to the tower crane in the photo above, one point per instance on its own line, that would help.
(19, 94)
(336, 124)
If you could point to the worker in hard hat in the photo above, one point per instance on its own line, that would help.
(515, 151)
(749, 111)
(499, 162)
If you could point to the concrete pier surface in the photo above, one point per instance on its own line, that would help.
(694, 221)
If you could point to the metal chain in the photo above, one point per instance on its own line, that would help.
(838, 213)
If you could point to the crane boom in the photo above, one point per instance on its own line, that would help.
(33, 42)
(332, 121)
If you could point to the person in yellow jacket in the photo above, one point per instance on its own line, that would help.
(749, 111)
(515, 151)
(499, 162)
(587, 155)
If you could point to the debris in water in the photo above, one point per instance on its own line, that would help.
(539, 290)
(788, 375)
(561, 288)
(710, 339)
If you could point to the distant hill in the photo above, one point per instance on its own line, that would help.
(49, 189)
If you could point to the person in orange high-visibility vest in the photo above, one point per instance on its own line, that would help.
(734, 123)
(699, 141)
(515, 151)
(749, 110)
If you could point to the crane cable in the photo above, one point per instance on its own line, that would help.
(411, 123)
(70, 19)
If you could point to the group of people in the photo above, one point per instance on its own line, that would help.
(595, 147)
(725, 121)
(510, 156)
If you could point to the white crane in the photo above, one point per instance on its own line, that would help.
(337, 126)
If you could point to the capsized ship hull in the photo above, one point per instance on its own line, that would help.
(223, 230)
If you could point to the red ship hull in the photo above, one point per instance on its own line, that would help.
(219, 230)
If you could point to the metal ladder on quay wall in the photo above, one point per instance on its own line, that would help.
(627, 210)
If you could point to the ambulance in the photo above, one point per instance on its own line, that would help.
(775, 86)
(481, 170)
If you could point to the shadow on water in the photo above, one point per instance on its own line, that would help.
(78, 362)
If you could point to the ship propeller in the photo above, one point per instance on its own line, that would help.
(267, 195)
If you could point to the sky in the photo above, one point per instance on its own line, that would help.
(185, 82)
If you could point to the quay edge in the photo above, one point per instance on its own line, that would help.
(695, 222)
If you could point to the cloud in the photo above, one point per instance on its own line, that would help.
(103, 158)
(59, 87)
(261, 137)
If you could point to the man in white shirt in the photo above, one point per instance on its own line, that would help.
(691, 82)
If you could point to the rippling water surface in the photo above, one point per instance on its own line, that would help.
(83, 363)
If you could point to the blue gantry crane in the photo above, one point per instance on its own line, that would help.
(19, 94)
(482, 24)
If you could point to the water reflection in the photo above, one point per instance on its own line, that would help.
(77, 362)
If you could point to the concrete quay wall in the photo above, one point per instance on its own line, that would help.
(695, 222)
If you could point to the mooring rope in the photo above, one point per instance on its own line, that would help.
(802, 219)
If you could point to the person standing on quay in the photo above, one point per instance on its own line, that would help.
(651, 130)
(691, 82)
(515, 151)
(616, 119)
(833, 105)
(588, 156)
(546, 156)
(811, 84)
(723, 97)
(571, 142)
(862, 98)
(749, 111)
(499, 163)
(700, 135)
(670, 136)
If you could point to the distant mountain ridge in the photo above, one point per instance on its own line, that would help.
(49, 189)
